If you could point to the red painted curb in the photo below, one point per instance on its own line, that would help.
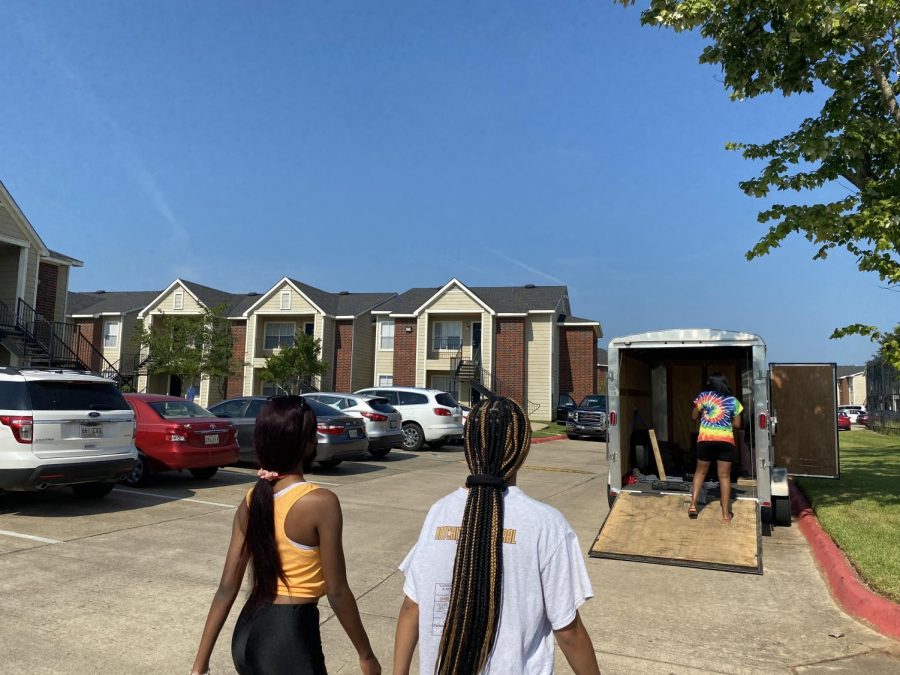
(844, 584)
(545, 439)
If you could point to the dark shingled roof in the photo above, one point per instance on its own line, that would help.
(502, 299)
(846, 371)
(98, 302)
(62, 256)
(578, 319)
(602, 357)
(342, 304)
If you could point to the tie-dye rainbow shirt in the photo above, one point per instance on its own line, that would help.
(716, 413)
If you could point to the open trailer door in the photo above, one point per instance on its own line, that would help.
(654, 527)
(803, 400)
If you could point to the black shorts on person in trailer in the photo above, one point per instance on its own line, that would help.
(715, 451)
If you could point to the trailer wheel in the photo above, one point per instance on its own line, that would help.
(781, 506)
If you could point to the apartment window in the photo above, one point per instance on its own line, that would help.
(309, 328)
(278, 335)
(285, 299)
(446, 335)
(111, 334)
(385, 380)
(387, 335)
(178, 301)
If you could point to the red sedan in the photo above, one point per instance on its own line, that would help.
(843, 421)
(174, 433)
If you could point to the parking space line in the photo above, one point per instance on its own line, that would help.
(19, 535)
(174, 499)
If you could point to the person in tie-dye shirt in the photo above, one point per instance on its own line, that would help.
(719, 413)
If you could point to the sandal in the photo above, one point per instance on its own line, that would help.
(727, 519)
(692, 512)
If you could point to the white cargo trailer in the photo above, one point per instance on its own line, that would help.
(789, 427)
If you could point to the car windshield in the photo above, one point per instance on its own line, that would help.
(381, 405)
(593, 402)
(54, 395)
(176, 410)
(446, 399)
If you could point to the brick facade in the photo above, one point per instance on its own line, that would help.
(600, 381)
(92, 330)
(48, 279)
(577, 361)
(234, 385)
(405, 352)
(509, 362)
(343, 356)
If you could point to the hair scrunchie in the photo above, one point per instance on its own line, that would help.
(485, 479)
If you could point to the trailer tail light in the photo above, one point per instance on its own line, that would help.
(613, 418)
(375, 417)
(769, 504)
(443, 412)
(22, 427)
(763, 420)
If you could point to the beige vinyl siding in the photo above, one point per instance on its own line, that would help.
(384, 359)
(422, 337)
(62, 291)
(250, 376)
(167, 304)
(31, 277)
(325, 332)
(455, 299)
(273, 304)
(487, 342)
(8, 226)
(538, 347)
(546, 413)
(111, 354)
(9, 274)
(363, 352)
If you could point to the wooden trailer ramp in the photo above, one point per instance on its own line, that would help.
(653, 527)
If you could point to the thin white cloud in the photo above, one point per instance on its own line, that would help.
(526, 267)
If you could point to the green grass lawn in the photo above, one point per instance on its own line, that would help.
(861, 511)
(553, 430)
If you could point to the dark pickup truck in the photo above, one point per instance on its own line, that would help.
(589, 419)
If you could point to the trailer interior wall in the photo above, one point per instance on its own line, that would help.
(658, 385)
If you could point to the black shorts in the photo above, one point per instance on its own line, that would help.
(278, 639)
(715, 451)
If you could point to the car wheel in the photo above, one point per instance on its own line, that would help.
(379, 452)
(205, 473)
(92, 490)
(436, 445)
(329, 463)
(140, 474)
(413, 438)
(782, 509)
(572, 437)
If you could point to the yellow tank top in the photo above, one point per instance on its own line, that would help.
(302, 565)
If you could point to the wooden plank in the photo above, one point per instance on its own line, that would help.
(653, 527)
(660, 468)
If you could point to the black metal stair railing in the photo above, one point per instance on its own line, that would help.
(481, 380)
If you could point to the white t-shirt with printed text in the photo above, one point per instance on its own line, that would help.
(545, 581)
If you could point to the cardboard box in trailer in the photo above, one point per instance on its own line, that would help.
(789, 427)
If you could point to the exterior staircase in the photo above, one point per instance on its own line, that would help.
(52, 344)
(470, 371)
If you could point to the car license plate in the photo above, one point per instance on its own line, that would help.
(353, 433)
(393, 424)
(211, 439)
(91, 431)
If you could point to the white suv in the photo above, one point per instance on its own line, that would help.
(429, 415)
(63, 427)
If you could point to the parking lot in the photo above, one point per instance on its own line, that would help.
(123, 584)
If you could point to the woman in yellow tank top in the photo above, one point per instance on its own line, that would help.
(289, 531)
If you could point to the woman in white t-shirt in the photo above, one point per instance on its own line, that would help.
(494, 575)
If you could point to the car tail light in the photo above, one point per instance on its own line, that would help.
(443, 412)
(176, 434)
(22, 427)
(763, 420)
(375, 417)
(613, 418)
(332, 429)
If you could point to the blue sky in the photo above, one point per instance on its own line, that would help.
(381, 146)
